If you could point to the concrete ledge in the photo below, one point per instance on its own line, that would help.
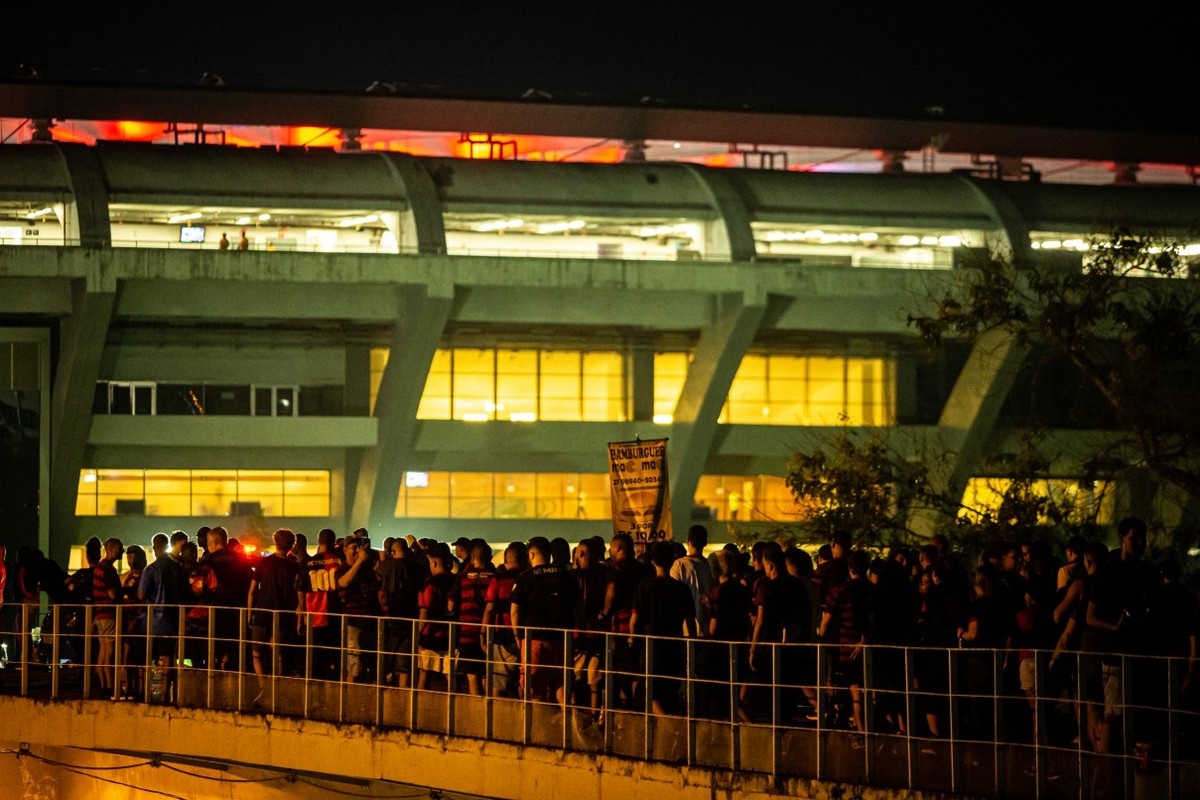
(458, 765)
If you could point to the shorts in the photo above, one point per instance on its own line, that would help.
(1028, 674)
(432, 661)
(545, 668)
(471, 659)
(587, 664)
(106, 629)
(505, 661)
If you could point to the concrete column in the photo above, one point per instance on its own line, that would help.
(718, 354)
(730, 235)
(82, 338)
(422, 223)
(969, 416)
(642, 383)
(81, 342)
(85, 217)
(415, 338)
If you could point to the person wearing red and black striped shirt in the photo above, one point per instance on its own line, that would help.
(468, 599)
(497, 614)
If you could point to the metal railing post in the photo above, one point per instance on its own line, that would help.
(690, 705)
(89, 641)
(56, 631)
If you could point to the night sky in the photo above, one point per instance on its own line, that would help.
(1013, 63)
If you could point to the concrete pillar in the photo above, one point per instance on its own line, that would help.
(422, 221)
(718, 354)
(81, 342)
(730, 235)
(415, 338)
(82, 338)
(970, 414)
(642, 383)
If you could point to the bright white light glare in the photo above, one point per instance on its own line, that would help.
(89, 477)
(868, 237)
(909, 241)
(43, 212)
(814, 234)
(559, 227)
(677, 145)
(1053, 244)
(499, 225)
(184, 217)
(263, 217)
(475, 417)
(663, 419)
(353, 221)
(950, 241)
(523, 416)
(929, 241)
(1075, 244)
(489, 406)
(1190, 250)
(242, 221)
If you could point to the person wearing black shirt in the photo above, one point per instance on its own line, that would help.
(664, 609)
(545, 602)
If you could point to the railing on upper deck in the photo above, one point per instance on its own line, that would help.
(993, 738)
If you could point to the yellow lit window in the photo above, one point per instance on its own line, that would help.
(604, 387)
(168, 492)
(474, 383)
(810, 390)
(525, 385)
(435, 400)
(202, 493)
(670, 371)
(1083, 502)
(472, 495)
(504, 495)
(379, 360)
(516, 385)
(745, 498)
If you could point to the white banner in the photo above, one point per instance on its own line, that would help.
(641, 498)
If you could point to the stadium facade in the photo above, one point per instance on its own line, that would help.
(346, 336)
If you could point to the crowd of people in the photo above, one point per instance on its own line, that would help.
(1021, 626)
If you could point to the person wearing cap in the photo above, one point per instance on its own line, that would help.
(462, 550)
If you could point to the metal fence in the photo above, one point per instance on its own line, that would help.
(935, 719)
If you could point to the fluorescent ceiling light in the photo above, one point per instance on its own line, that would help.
(353, 221)
(263, 217)
(39, 213)
(499, 225)
(184, 217)
(523, 416)
(242, 221)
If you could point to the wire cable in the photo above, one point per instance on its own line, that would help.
(218, 779)
(359, 794)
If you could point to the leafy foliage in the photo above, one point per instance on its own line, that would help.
(1128, 321)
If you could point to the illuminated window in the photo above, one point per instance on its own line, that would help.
(525, 385)
(1082, 501)
(746, 498)
(379, 360)
(203, 493)
(810, 390)
(505, 495)
(670, 371)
